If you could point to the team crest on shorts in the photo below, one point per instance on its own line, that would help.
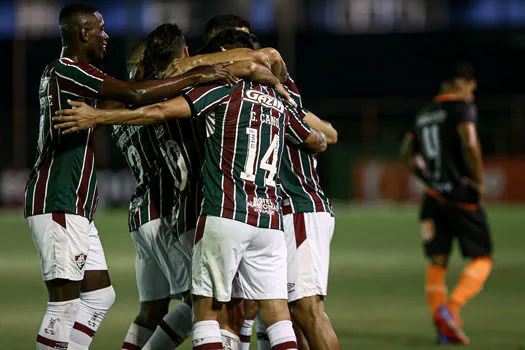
(80, 260)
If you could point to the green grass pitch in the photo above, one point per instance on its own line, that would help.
(375, 301)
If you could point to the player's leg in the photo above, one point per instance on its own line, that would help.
(214, 267)
(476, 243)
(308, 241)
(264, 272)
(230, 321)
(97, 295)
(173, 255)
(250, 312)
(302, 342)
(153, 288)
(62, 243)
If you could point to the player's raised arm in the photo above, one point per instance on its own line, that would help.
(412, 158)
(471, 146)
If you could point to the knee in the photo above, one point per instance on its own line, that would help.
(308, 311)
(439, 260)
(101, 299)
(152, 312)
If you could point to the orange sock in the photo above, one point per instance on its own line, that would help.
(470, 283)
(435, 288)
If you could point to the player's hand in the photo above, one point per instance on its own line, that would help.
(213, 73)
(80, 117)
(284, 93)
(478, 187)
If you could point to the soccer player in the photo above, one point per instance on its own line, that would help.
(162, 157)
(221, 23)
(61, 193)
(443, 151)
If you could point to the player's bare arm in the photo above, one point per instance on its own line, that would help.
(325, 127)
(278, 65)
(413, 159)
(472, 153)
(82, 116)
(184, 64)
(137, 93)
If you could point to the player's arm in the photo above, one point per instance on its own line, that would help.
(149, 91)
(182, 65)
(472, 153)
(413, 159)
(323, 126)
(83, 116)
(277, 63)
(299, 133)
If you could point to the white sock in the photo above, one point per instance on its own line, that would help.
(136, 337)
(93, 308)
(263, 343)
(230, 341)
(282, 336)
(57, 324)
(246, 334)
(172, 330)
(207, 335)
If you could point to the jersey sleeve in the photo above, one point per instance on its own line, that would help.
(292, 89)
(204, 98)
(297, 131)
(82, 80)
(467, 112)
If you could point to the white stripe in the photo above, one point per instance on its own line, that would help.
(89, 185)
(304, 176)
(34, 192)
(81, 70)
(76, 82)
(69, 92)
(47, 180)
(235, 154)
(82, 171)
(206, 94)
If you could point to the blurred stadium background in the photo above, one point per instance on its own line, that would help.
(364, 65)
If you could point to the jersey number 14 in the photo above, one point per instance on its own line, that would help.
(271, 167)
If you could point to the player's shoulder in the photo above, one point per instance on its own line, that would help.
(65, 64)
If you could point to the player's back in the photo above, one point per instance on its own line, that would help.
(439, 142)
(245, 138)
(63, 178)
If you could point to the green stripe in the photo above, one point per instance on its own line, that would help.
(144, 210)
(91, 193)
(78, 75)
(211, 97)
(264, 221)
(29, 196)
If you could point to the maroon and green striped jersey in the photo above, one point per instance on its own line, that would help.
(301, 190)
(63, 178)
(246, 128)
(160, 157)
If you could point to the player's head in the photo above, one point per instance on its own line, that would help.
(460, 79)
(82, 28)
(135, 62)
(220, 23)
(227, 40)
(163, 45)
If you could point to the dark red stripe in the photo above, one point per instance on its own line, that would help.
(262, 336)
(40, 187)
(84, 329)
(249, 187)
(171, 333)
(94, 205)
(59, 218)
(153, 211)
(76, 88)
(129, 346)
(228, 150)
(245, 338)
(51, 343)
(83, 189)
(199, 232)
(86, 67)
(286, 346)
(299, 227)
(319, 205)
(209, 346)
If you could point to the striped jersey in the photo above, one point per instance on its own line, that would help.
(301, 190)
(63, 178)
(246, 126)
(160, 157)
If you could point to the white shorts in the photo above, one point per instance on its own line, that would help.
(67, 245)
(308, 237)
(163, 260)
(226, 249)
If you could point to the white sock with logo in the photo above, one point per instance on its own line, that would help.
(57, 323)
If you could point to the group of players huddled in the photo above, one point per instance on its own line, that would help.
(228, 214)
